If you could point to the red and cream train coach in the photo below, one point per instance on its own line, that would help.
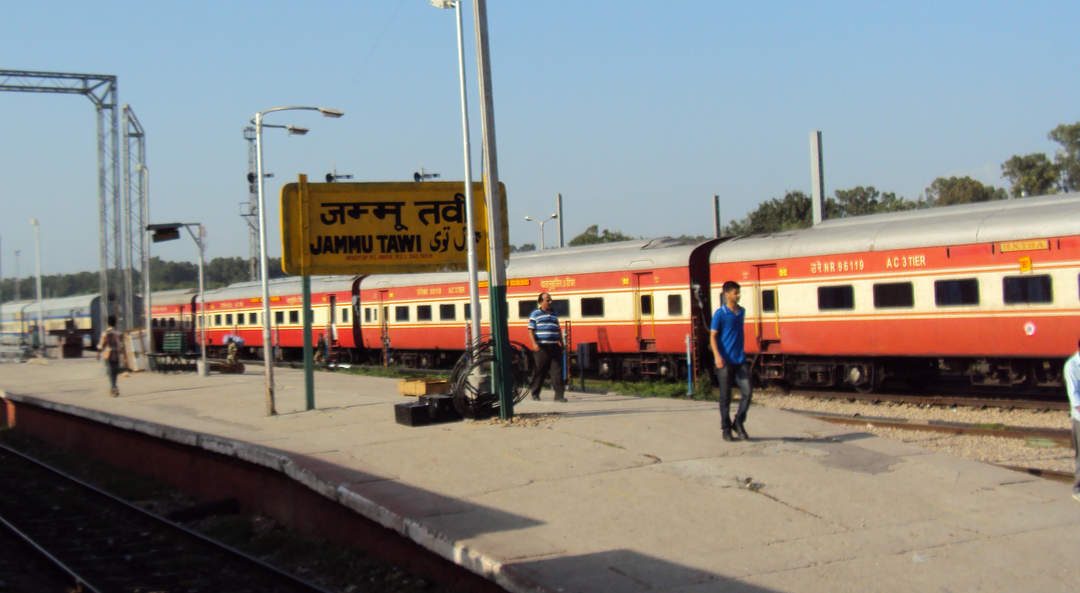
(990, 291)
(633, 300)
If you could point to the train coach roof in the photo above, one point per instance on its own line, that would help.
(280, 287)
(1001, 220)
(601, 257)
(174, 296)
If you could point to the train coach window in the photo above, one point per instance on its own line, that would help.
(279, 317)
(294, 316)
(836, 297)
(561, 307)
(592, 307)
(228, 319)
(401, 313)
(367, 314)
(646, 304)
(239, 319)
(253, 318)
(344, 314)
(956, 292)
(468, 310)
(894, 294)
(217, 319)
(525, 308)
(674, 304)
(768, 301)
(447, 312)
(423, 312)
(1027, 289)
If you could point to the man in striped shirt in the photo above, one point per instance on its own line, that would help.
(547, 347)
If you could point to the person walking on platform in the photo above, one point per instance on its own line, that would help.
(726, 340)
(1072, 389)
(547, 347)
(111, 346)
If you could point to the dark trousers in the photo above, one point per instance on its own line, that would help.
(740, 375)
(548, 362)
(113, 368)
(1076, 453)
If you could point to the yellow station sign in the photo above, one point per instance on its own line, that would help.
(375, 228)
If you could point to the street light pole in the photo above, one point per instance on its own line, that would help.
(268, 360)
(146, 261)
(37, 286)
(470, 224)
(200, 241)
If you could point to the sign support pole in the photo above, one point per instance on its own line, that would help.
(502, 375)
(309, 365)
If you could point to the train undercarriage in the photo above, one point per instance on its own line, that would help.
(867, 375)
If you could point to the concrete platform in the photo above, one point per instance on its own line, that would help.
(616, 493)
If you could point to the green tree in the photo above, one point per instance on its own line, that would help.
(594, 235)
(793, 211)
(1067, 159)
(861, 200)
(961, 190)
(1031, 175)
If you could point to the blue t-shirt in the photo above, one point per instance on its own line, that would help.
(546, 326)
(729, 326)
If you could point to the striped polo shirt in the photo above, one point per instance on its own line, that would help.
(546, 326)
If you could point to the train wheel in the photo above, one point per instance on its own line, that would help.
(605, 369)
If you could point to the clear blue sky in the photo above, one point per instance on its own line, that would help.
(637, 112)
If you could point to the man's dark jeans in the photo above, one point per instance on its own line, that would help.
(1076, 453)
(548, 361)
(740, 375)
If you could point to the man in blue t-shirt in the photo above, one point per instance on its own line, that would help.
(546, 338)
(726, 340)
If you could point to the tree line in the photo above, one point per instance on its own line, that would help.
(1029, 175)
(164, 275)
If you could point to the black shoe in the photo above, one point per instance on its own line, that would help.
(560, 399)
(741, 431)
(727, 436)
(536, 398)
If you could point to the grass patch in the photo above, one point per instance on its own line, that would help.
(703, 388)
(393, 373)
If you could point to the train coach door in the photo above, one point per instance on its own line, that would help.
(767, 308)
(384, 325)
(644, 329)
(331, 328)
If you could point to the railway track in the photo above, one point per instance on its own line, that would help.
(941, 400)
(1057, 436)
(93, 541)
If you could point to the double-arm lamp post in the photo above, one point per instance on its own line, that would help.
(470, 224)
(268, 359)
(541, 223)
(168, 232)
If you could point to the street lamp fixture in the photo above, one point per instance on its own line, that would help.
(542, 223)
(168, 232)
(268, 360)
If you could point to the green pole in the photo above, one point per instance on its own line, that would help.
(502, 375)
(309, 365)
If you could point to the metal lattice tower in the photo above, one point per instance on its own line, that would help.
(250, 210)
(134, 217)
(101, 90)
